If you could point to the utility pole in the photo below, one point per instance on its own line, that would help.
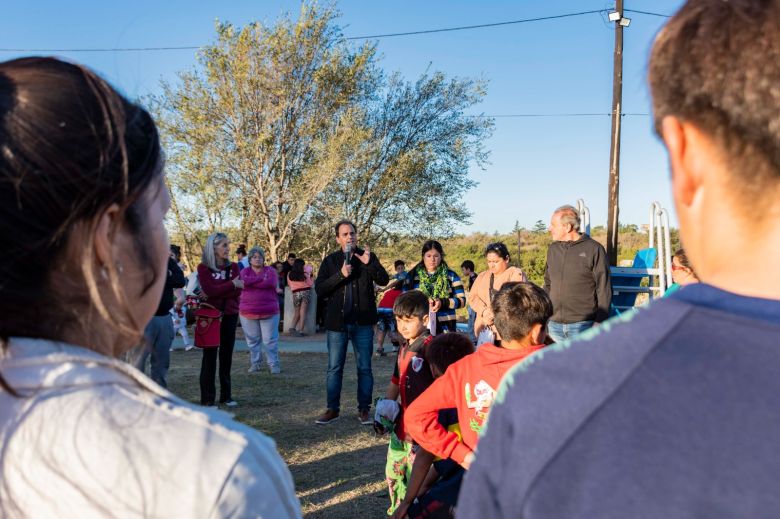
(614, 147)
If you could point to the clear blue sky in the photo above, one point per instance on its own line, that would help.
(557, 66)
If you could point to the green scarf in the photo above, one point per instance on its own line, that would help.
(436, 285)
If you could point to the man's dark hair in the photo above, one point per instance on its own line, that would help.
(715, 65)
(343, 222)
(468, 264)
(176, 250)
(241, 249)
(411, 304)
(291, 255)
(399, 263)
(446, 349)
(517, 307)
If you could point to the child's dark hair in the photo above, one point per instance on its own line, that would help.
(297, 273)
(411, 304)
(468, 264)
(517, 307)
(446, 349)
(399, 263)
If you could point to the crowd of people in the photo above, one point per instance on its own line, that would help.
(547, 407)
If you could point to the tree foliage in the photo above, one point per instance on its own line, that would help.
(280, 131)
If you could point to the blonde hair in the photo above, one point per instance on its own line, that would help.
(209, 258)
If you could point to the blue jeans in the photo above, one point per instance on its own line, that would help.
(472, 319)
(362, 338)
(262, 333)
(563, 331)
(159, 335)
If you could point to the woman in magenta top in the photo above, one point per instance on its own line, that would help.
(300, 283)
(220, 287)
(259, 311)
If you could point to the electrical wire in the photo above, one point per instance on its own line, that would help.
(647, 12)
(581, 114)
(375, 36)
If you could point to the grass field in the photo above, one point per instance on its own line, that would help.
(338, 468)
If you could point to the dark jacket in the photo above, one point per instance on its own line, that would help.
(330, 286)
(173, 279)
(577, 279)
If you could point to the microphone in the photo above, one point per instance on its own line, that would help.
(347, 253)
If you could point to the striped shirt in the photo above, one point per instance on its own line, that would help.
(457, 297)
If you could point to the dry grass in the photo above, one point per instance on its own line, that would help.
(338, 468)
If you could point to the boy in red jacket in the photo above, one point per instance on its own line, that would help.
(521, 313)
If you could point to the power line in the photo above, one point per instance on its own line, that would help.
(467, 27)
(648, 13)
(580, 114)
(129, 49)
(389, 35)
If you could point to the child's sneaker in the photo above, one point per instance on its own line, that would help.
(275, 370)
(254, 368)
(230, 403)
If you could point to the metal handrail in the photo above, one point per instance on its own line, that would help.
(584, 212)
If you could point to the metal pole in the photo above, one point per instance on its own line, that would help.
(614, 148)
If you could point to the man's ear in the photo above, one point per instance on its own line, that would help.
(537, 333)
(104, 234)
(683, 142)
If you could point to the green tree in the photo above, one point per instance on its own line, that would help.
(281, 130)
(539, 227)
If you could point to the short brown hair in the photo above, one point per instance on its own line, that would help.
(517, 307)
(716, 64)
(411, 304)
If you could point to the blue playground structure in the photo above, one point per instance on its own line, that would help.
(653, 264)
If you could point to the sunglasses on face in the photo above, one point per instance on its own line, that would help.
(498, 248)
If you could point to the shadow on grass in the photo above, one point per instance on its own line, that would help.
(338, 469)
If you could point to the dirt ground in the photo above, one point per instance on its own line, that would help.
(338, 468)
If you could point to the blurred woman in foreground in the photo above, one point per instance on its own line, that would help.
(82, 200)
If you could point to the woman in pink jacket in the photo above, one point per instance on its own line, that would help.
(259, 311)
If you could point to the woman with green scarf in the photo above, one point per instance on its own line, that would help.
(443, 287)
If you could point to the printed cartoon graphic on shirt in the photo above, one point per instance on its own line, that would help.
(480, 402)
(417, 364)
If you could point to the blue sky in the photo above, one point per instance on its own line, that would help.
(551, 67)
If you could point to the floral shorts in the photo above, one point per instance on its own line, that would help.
(300, 297)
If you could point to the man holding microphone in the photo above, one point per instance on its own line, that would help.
(346, 281)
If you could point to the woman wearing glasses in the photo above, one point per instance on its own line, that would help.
(487, 284)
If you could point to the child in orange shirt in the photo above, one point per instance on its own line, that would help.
(521, 313)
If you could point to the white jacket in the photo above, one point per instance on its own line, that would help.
(91, 436)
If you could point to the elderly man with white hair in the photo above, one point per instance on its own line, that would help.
(576, 277)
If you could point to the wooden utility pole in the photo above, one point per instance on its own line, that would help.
(614, 148)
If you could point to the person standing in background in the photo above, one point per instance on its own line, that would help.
(469, 275)
(159, 331)
(220, 287)
(347, 278)
(576, 277)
